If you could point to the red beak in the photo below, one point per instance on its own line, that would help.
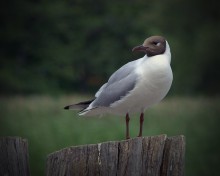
(140, 48)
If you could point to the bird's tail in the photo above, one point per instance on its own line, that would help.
(79, 106)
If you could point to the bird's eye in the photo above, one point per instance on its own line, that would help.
(157, 43)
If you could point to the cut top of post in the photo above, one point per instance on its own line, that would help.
(156, 155)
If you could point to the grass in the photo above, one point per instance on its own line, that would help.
(42, 120)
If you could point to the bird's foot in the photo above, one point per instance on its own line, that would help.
(127, 137)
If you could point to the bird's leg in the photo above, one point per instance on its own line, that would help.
(141, 124)
(127, 126)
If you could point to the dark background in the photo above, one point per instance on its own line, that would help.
(53, 53)
(64, 46)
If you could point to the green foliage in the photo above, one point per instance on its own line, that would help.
(48, 128)
(53, 46)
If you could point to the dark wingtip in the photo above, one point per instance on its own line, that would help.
(67, 107)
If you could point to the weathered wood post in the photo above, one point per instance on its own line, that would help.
(142, 156)
(14, 157)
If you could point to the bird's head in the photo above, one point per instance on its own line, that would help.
(152, 46)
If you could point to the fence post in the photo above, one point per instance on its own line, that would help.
(142, 156)
(14, 157)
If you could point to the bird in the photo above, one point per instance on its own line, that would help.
(135, 86)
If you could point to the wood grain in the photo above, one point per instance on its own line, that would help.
(141, 156)
(14, 157)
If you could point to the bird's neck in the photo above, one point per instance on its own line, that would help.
(167, 52)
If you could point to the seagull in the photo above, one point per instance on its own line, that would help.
(135, 86)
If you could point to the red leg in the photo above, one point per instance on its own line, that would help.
(127, 126)
(141, 124)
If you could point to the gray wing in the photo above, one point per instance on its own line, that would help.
(121, 73)
(100, 90)
(115, 90)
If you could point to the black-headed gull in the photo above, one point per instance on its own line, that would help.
(135, 86)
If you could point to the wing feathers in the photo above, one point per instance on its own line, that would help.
(79, 106)
(115, 91)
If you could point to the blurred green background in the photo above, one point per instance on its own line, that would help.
(53, 53)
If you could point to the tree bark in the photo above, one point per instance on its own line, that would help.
(14, 157)
(142, 156)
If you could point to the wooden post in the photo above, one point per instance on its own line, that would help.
(142, 156)
(14, 157)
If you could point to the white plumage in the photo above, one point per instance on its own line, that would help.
(154, 78)
(135, 86)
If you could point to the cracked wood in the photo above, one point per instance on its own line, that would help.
(141, 156)
(14, 156)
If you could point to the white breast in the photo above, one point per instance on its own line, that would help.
(155, 79)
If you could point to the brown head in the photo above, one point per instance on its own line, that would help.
(152, 46)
